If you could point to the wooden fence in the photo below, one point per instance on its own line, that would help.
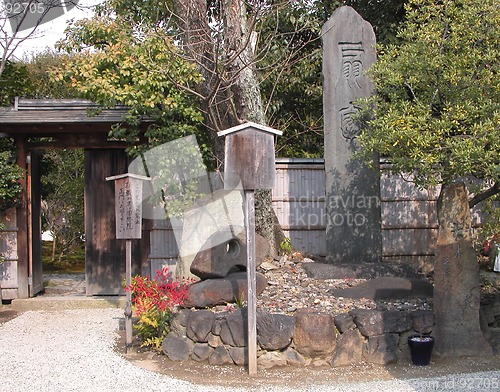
(409, 219)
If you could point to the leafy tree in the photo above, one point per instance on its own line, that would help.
(14, 81)
(40, 84)
(114, 61)
(436, 112)
(62, 199)
(10, 173)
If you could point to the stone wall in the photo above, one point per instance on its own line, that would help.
(305, 339)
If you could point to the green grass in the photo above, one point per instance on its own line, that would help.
(71, 263)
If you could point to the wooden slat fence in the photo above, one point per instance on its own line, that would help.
(409, 220)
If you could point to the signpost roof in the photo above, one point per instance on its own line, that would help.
(129, 175)
(248, 125)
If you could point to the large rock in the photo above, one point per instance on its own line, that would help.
(378, 322)
(199, 325)
(272, 359)
(314, 334)
(201, 352)
(386, 288)
(274, 331)
(456, 279)
(176, 348)
(213, 292)
(239, 355)
(358, 271)
(349, 349)
(234, 328)
(382, 349)
(225, 250)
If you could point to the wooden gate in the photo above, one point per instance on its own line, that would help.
(104, 254)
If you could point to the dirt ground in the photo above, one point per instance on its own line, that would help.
(295, 377)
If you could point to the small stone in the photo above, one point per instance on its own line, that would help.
(267, 266)
(214, 340)
(293, 358)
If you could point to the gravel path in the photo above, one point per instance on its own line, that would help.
(73, 350)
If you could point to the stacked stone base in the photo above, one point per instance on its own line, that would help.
(305, 339)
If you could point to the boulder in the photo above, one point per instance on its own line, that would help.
(358, 270)
(378, 322)
(221, 255)
(344, 322)
(199, 325)
(382, 349)
(349, 349)
(386, 288)
(176, 348)
(212, 213)
(178, 322)
(274, 331)
(213, 292)
(239, 355)
(271, 359)
(293, 358)
(234, 328)
(314, 334)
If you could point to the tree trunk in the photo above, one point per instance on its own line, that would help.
(230, 88)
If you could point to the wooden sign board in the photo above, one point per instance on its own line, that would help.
(250, 165)
(128, 205)
(249, 156)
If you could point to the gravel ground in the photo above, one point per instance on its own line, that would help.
(75, 350)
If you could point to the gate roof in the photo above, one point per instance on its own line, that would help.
(61, 122)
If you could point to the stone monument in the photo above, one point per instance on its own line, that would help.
(456, 280)
(353, 232)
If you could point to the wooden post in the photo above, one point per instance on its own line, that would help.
(250, 164)
(128, 304)
(251, 282)
(128, 217)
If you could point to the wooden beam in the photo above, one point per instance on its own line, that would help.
(251, 282)
(22, 225)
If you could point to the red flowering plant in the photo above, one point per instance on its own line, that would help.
(153, 301)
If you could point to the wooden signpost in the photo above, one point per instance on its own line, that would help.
(250, 165)
(128, 216)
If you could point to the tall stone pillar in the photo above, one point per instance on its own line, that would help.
(353, 232)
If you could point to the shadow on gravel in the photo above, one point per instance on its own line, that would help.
(7, 315)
